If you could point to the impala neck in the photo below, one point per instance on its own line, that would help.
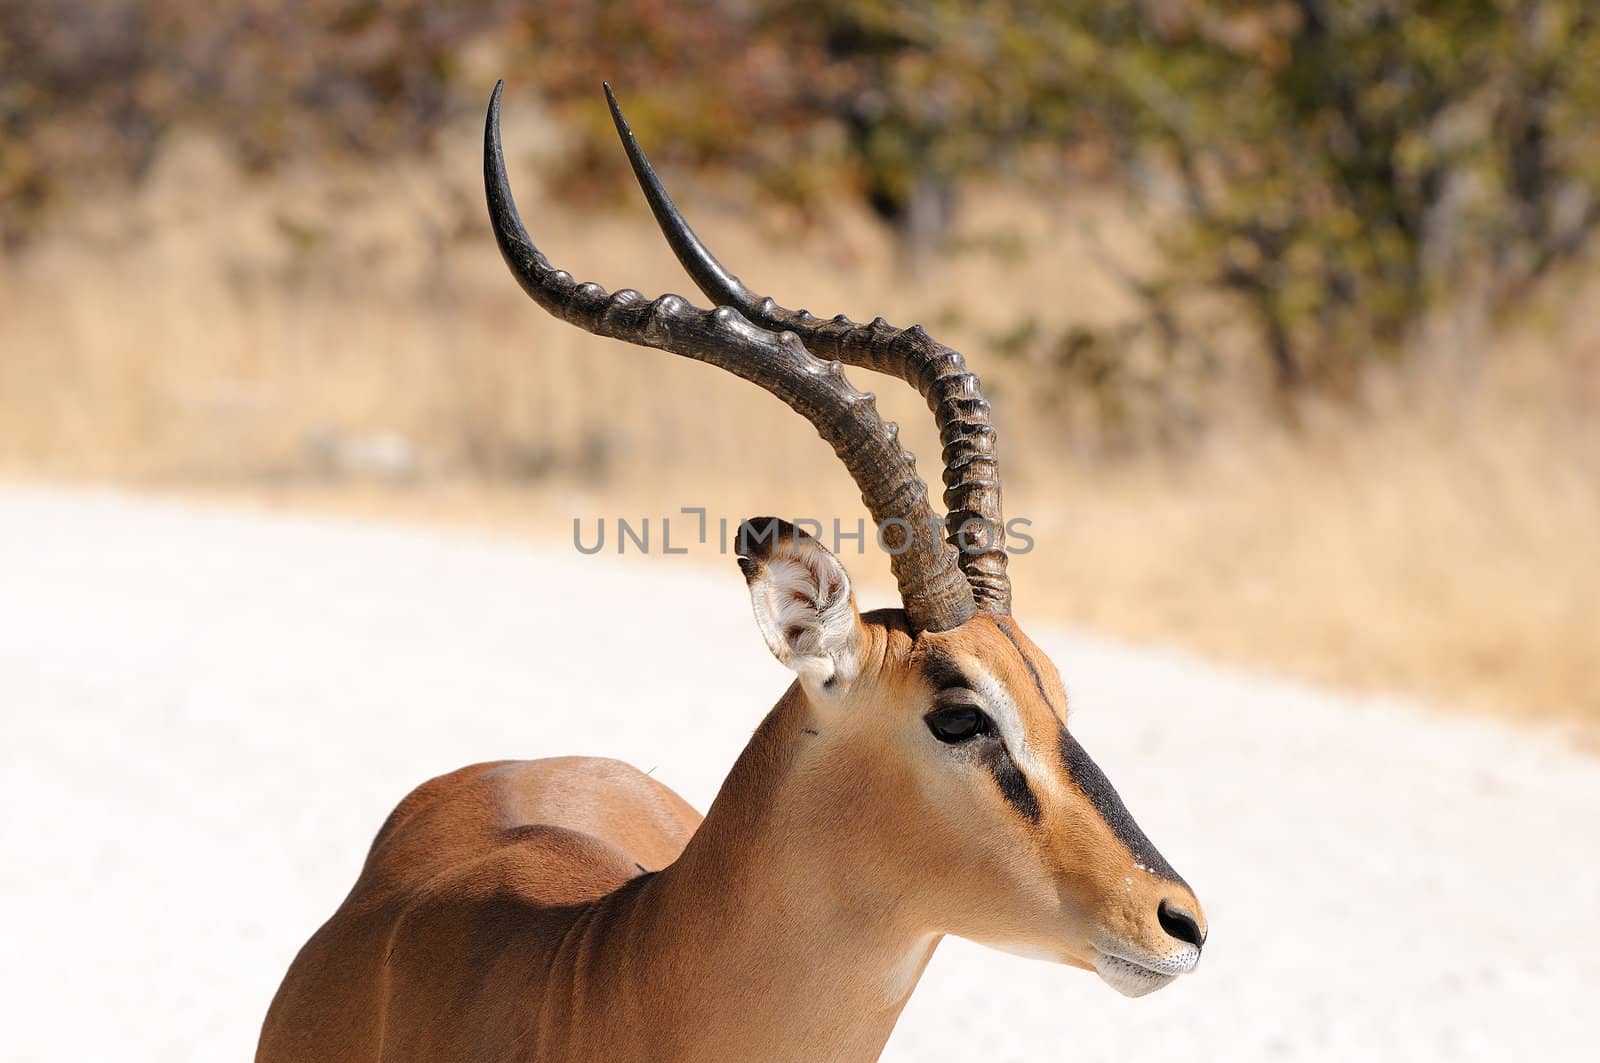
(787, 944)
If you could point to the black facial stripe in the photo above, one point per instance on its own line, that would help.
(1013, 784)
(942, 673)
(1011, 637)
(1087, 776)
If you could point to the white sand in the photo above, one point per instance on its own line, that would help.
(206, 716)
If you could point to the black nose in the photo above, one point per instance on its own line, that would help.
(1180, 924)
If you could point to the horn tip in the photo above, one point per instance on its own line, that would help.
(492, 119)
(616, 113)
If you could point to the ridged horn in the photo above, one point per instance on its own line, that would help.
(933, 589)
(974, 514)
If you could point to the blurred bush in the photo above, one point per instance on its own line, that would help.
(1341, 166)
(89, 88)
(1324, 172)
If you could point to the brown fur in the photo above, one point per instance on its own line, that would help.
(502, 913)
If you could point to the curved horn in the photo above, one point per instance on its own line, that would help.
(971, 469)
(933, 589)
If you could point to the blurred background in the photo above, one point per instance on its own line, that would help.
(1286, 307)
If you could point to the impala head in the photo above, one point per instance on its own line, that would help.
(940, 731)
(952, 748)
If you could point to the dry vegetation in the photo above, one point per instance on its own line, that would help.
(353, 342)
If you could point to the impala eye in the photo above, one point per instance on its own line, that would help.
(958, 723)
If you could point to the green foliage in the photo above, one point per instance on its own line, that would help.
(1342, 165)
(1331, 167)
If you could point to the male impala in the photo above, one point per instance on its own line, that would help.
(917, 779)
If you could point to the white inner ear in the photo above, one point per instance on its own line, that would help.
(803, 608)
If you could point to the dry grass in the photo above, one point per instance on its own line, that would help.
(350, 342)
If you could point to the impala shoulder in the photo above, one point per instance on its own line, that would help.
(608, 799)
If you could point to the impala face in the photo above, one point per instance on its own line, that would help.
(954, 746)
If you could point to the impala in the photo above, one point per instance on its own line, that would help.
(918, 778)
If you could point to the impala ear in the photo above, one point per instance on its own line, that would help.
(803, 603)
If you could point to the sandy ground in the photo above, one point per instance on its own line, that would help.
(207, 715)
